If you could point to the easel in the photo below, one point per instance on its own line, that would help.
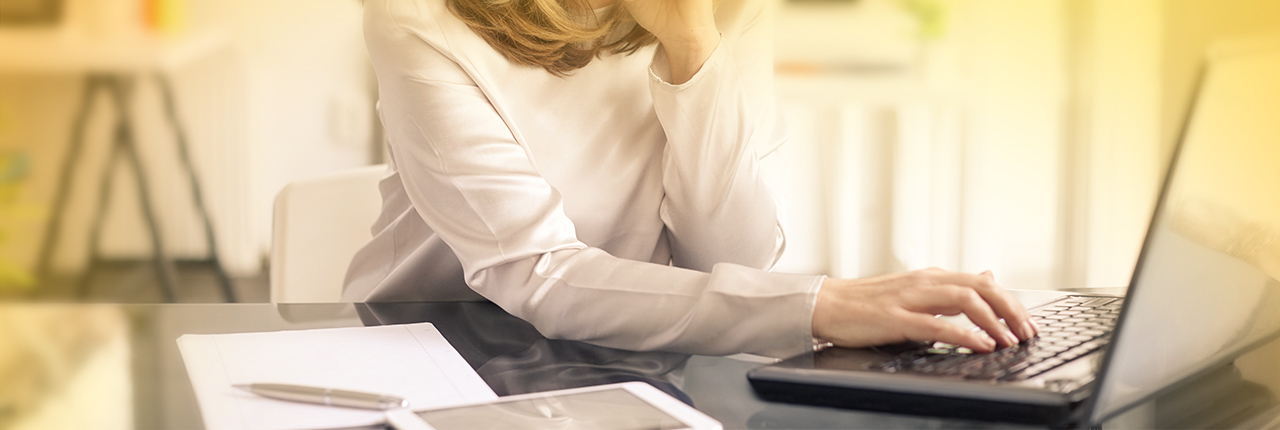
(112, 67)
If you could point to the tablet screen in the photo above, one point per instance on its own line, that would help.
(615, 409)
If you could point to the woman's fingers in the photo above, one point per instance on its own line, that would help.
(1000, 300)
(1011, 307)
(952, 299)
(921, 327)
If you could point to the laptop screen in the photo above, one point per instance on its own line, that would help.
(1206, 288)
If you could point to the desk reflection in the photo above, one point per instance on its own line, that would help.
(513, 358)
(58, 358)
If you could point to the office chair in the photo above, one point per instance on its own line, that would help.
(318, 225)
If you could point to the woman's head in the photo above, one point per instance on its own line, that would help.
(557, 35)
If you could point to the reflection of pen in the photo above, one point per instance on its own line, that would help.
(326, 396)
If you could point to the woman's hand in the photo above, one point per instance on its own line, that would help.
(902, 306)
(685, 28)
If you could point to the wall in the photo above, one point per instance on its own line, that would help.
(1190, 27)
(309, 87)
(1134, 69)
(1014, 67)
(940, 150)
(1112, 163)
(1026, 137)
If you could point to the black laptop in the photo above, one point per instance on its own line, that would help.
(1205, 290)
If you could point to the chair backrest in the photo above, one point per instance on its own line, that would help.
(318, 225)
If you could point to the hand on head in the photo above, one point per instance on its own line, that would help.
(902, 306)
(685, 28)
(674, 21)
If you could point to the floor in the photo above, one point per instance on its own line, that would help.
(136, 282)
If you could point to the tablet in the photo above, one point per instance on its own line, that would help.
(625, 406)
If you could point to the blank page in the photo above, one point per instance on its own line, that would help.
(413, 361)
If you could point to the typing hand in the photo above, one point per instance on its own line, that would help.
(901, 306)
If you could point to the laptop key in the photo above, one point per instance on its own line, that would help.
(1019, 367)
(997, 374)
(1099, 301)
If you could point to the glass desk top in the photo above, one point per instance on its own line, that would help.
(114, 366)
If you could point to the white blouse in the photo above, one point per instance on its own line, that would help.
(607, 206)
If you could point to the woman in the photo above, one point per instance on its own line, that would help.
(593, 169)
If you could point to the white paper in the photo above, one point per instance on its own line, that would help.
(412, 361)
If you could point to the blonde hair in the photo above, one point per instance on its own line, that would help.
(548, 33)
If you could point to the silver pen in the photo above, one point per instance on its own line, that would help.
(326, 396)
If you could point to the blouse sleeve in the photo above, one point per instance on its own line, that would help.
(718, 125)
(477, 188)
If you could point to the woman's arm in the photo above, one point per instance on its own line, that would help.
(719, 123)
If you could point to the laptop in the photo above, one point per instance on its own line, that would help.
(1205, 290)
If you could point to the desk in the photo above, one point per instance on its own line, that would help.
(507, 352)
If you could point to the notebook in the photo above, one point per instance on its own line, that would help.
(413, 361)
(1204, 291)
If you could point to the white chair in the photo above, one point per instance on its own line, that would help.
(318, 225)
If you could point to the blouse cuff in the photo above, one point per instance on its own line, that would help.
(660, 68)
(795, 316)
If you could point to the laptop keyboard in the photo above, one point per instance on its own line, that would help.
(1069, 329)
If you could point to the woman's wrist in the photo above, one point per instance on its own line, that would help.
(820, 313)
(687, 54)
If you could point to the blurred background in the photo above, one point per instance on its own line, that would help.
(1026, 137)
